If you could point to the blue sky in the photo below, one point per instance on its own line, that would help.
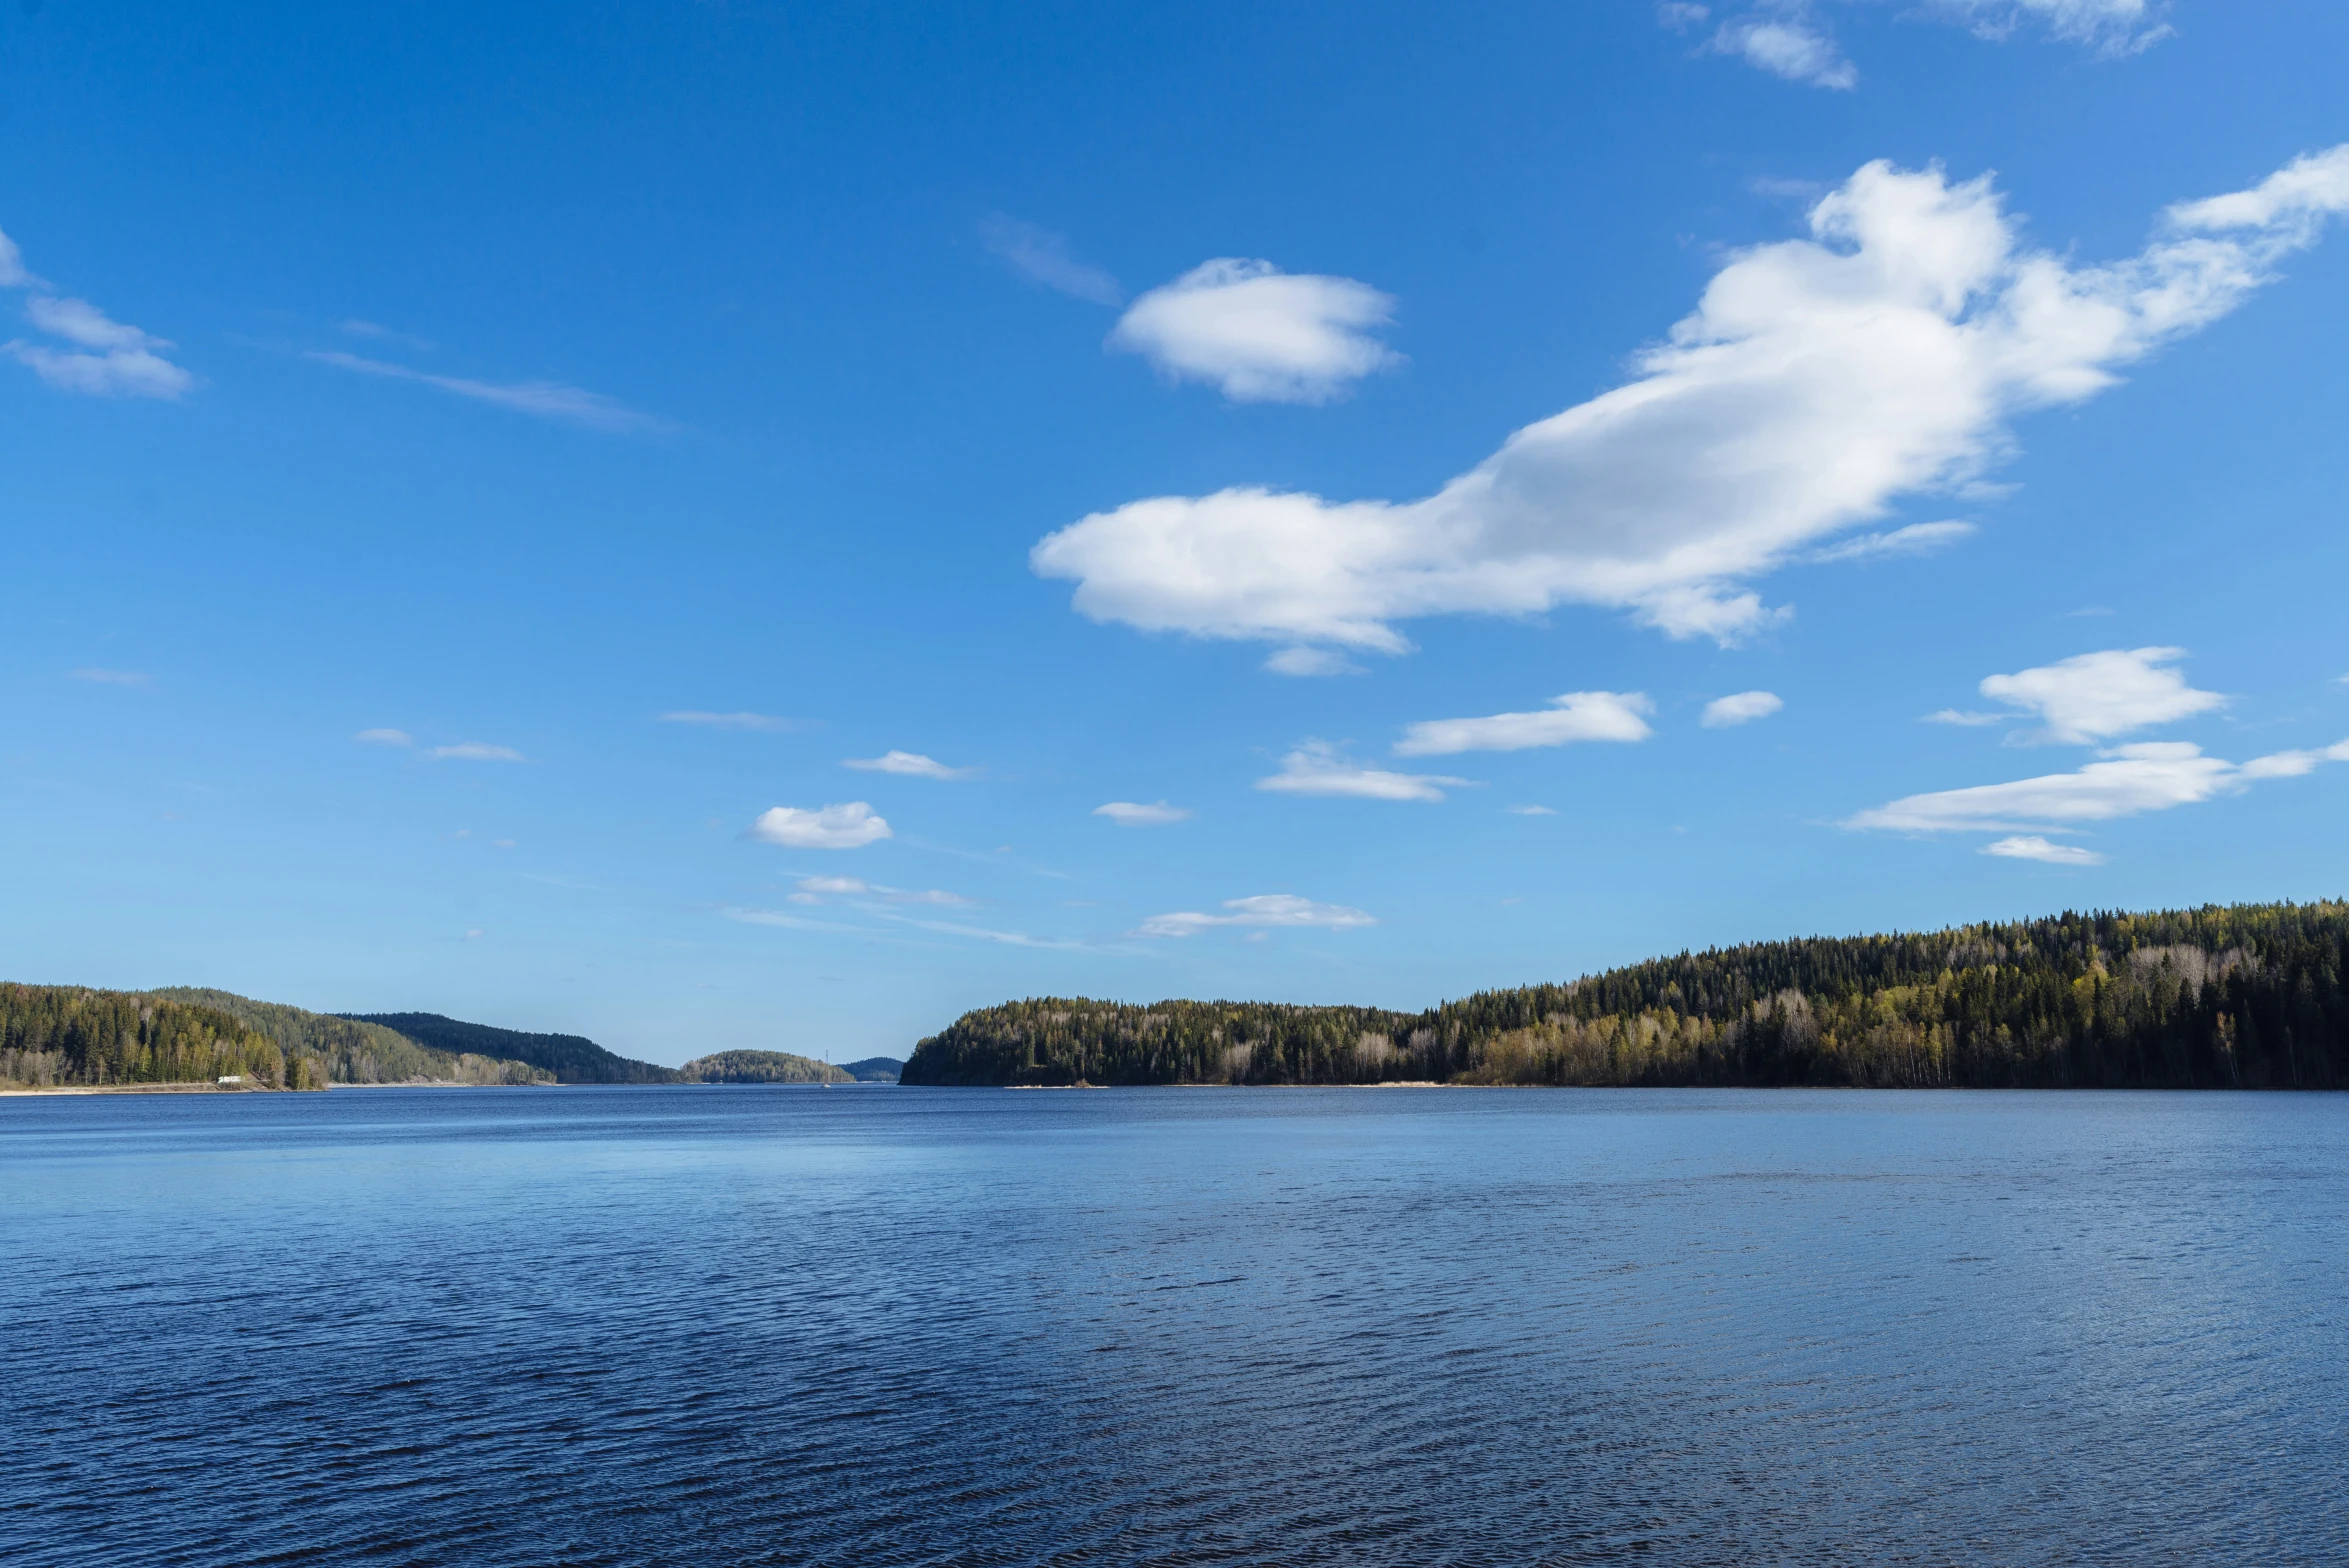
(1483, 496)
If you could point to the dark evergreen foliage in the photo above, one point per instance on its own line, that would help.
(761, 1067)
(2248, 996)
(355, 1052)
(62, 1035)
(874, 1069)
(571, 1058)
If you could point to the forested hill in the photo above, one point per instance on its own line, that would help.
(571, 1058)
(68, 1035)
(356, 1052)
(2243, 996)
(761, 1067)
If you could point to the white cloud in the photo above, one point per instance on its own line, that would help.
(539, 399)
(385, 737)
(1316, 768)
(849, 826)
(1818, 381)
(1041, 256)
(1787, 45)
(1575, 716)
(2148, 776)
(2031, 846)
(1311, 661)
(907, 764)
(2096, 696)
(1530, 811)
(475, 751)
(108, 357)
(1261, 334)
(814, 890)
(1265, 909)
(2111, 27)
(1966, 719)
(99, 677)
(1741, 708)
(729, 721)
(1133, 814)
(1916, 539)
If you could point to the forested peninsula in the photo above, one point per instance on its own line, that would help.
(2244, 996)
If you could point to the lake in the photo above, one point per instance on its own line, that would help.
(873, 1326)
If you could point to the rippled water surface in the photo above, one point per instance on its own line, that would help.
(890, 1326)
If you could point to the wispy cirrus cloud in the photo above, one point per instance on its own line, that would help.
(99, 677)
(474, 751)
(1135, 814)
(1043, 257)
(815, 890)
(384, 737)
(1266, 910)
(730, 721)
(1574, 716)
(1259, 334)
(1818, 382)
(909, 765)
(93, 354)
(553, 400)
(2127, 781)
(1916, 539)
(1795, 39)
(2031, 846)
(1318, 768)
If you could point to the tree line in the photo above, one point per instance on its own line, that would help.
(2243, 996)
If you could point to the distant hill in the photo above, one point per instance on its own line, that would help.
(571, 1058)
(874, 1069)
(760, 1067)
(354, 1051)
(2246, 996)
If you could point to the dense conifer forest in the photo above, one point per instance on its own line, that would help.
(2247, 996)
(761, 1067)
(58, 1035)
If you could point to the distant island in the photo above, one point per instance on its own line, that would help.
(2245, 996)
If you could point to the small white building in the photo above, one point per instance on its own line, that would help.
(234, 1078)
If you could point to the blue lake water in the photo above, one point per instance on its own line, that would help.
(897, 1326)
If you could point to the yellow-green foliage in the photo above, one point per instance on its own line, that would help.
(2249, 995)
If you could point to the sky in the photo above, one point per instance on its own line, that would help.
(743, 525)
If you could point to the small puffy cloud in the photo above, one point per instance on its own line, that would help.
(2096, 696)
(475, 751)
(907, 764)
(98, 677)
(2031, 846)
(1740, 708)
(1916, 539)
(729, 721)
(1261, 334)
(1265, 909)
(1041, 256)
(2129, 781)
(1788, 45)
(1575, 716)
(835, 885)
(384, 737)
(1317, 768)
(539, 399)
(1311, 662)
(1134, 814)
(1818, 382)
(849, 826)
(1529, 811)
